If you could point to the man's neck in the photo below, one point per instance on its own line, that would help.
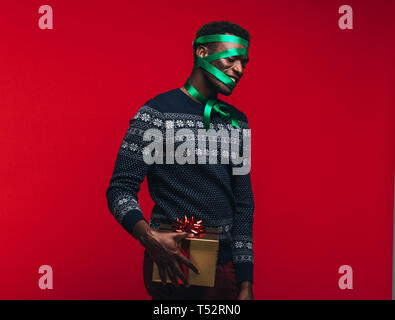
(200, 83)
(189, 95)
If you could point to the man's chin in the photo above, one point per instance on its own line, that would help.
(224, 90)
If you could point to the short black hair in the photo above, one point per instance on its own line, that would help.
(221, 27)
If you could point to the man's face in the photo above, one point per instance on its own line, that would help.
(233, 67)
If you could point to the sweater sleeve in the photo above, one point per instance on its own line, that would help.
(130, 168)
(242, 243)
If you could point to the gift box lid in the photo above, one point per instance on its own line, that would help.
(209, 234)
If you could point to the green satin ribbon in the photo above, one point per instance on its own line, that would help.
(205, 63)
(224, 111)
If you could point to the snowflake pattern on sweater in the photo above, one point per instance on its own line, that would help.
(207, 191)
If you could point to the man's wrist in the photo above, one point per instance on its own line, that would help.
(245, 285)
(141, 231)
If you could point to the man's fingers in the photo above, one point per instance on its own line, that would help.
(162, 275)
(189, 264)
(181, 274)
(182, 235)
(172, 276)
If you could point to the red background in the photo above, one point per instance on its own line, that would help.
(320, 104)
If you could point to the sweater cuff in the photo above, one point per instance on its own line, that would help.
(130, 219)
(244, 272)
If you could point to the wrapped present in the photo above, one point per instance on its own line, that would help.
(201, 249)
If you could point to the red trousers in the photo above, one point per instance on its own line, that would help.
(225, 285)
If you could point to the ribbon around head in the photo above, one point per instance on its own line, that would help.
(205, 63)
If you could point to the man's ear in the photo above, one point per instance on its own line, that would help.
(202, 51)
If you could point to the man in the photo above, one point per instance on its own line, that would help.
(211, 192)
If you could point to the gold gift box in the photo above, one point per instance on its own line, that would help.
(203, 253)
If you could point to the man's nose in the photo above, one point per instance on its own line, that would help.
(238, 67)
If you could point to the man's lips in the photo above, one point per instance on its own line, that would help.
(235, 79)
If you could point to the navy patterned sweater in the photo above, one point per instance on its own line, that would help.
(207, 191)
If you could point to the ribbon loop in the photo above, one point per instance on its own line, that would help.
(188, 225)
(223, 110)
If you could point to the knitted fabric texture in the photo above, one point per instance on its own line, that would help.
(207, 191)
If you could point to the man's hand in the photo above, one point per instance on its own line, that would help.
(245, 292)
(163, 250)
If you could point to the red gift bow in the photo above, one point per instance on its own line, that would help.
(188, 225)
(191, 226)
